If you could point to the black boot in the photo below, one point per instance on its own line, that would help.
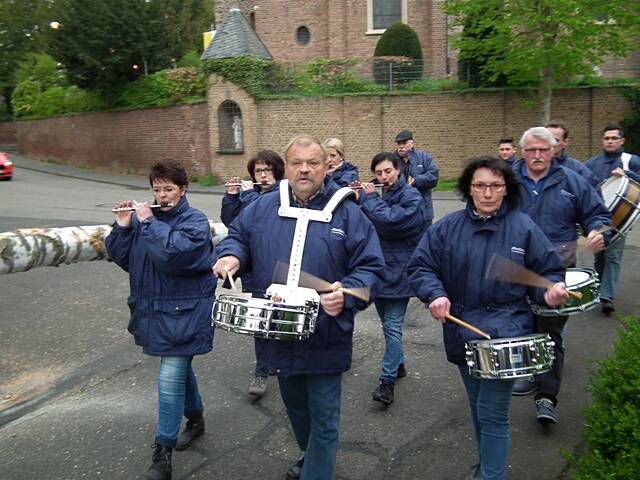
(192, 430)
(160, 469)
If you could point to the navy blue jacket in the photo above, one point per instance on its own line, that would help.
(602, 165)
(232, 204)
(564, 200)
(169, 259)
(346, 249)
(424, 171)
(451, 261)
(398, 217)
(564, 160)
(345, 174)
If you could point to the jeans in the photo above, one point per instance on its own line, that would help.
(313, 407)
(177, 395)
(262, 369)
(391, 312)
(489, 401)
(607, 263)
(550, 381)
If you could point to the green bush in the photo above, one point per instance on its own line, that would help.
(612, 421)
(24, 97)
(399, 40)
(148, 91)
(250, 73)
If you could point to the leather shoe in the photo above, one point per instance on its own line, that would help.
(384, 393)
(294, 470)
(192, 430)
(402, 371)
(607, 307)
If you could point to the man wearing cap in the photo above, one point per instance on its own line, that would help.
(419, 170)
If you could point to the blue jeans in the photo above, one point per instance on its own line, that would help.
(313, 407)
(608, 263)
(489, 401)
(391, 312)
(177, 395)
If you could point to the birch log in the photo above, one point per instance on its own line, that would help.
(27, 248)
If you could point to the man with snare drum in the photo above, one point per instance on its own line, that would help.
(344, 251)
(557, 199)
(613, 162)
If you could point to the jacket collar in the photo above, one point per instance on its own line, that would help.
(183, 206)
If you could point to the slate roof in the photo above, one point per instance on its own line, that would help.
(235, 38)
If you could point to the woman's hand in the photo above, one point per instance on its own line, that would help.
(123, 218)
(440, 308)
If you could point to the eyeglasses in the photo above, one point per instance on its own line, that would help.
(541, 150)
(260, 171)
(482, 187)
(611, 139)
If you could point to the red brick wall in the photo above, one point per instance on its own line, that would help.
(7, 133)
(122, 142)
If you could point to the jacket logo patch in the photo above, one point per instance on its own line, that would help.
(567, 194)
(338, 232)
(518, 250)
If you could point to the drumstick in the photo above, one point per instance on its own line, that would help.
(505, 270)
(318, 284)
(453, 319)
(231, 281)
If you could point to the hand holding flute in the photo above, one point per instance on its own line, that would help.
(123, 212)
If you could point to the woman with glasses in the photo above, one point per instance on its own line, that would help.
(266, 169)
(168, 253)
(340, 171)
(447, 272)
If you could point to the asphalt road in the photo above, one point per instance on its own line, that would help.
(78, 401)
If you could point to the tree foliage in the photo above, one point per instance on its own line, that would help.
(106, 44)
(631, 123)
(544, 42)
(399, 40)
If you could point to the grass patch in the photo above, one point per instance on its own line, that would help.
(446, 185)
(206, 181)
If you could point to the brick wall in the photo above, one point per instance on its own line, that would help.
(7, 133)
(122, 142)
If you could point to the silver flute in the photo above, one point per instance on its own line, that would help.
(131, 209)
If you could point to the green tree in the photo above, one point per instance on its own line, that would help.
(544, 42)
(106, 44)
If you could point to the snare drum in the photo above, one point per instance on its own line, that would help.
(507, 358)
(621, 196)
(580, 280)
(265, 318)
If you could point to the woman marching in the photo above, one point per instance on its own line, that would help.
(168, 253)
(447, 272)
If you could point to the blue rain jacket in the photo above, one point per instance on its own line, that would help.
(565, 160)
(602, 165)
(346, 249)
(452, 259)
(169, 259)
(345, 174)
(425, 173)
(564, 200)
(398, 217)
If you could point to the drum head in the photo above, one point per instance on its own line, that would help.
(610, 187)
(575, 277)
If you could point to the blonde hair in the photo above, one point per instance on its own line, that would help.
(336, 144)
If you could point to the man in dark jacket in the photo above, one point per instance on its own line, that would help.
(419, 170)
(344, 251)
(507, 150)
(557, 199)
(561, 134)
(612, 162)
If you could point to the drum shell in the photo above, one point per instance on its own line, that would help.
(589, 289)
(622, 198)
(509, 358)
(263, 318)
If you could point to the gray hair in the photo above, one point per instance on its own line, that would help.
(305, 141)
(541, 133)
(335, 144)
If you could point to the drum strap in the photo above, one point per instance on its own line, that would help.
(303, 216)
(625, 158)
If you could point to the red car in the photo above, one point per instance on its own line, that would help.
(6, 167)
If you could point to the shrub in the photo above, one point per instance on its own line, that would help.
(149, 91)
(250, 73)
(399, 40)
(612, 426)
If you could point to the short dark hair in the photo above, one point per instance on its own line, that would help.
(381, 157)
(268, 157)
(170, 170)
(497, 166)
(506, 140)
(557, 124)
(613, 126)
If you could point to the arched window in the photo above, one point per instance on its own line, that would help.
(230, 127)
(303, 35)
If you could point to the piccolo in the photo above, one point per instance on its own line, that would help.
(374, 184)
(131, 209)
(239, 184)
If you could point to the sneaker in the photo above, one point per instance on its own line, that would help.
(607, 306)
(384, 393)
(524, 386)
(258, 386)
(546, 411)
(402, 371)
(294, 470)
(474, 473)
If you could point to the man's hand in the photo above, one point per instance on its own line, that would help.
(556, 295)
(333, 303)
(226, 265)
(439, 308)
(617, 172)
(595, 241)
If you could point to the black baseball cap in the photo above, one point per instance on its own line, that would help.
(404, 135)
